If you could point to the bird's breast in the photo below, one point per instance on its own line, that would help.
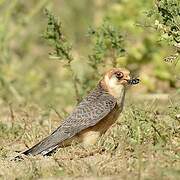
(90, 135)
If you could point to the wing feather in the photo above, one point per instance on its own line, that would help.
(89, 112)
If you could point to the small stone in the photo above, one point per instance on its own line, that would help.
(177, 116)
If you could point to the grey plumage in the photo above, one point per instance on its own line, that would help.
(98, 104)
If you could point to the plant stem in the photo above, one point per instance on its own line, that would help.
(75, 82)
(114, 56)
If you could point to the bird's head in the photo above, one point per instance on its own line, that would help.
(117, 76)
(115, 80)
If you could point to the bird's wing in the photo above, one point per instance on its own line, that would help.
(89, 112)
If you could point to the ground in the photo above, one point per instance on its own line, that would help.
(143, 144)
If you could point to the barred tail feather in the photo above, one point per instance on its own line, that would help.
(37, 149)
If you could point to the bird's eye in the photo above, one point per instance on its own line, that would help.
(119, 75)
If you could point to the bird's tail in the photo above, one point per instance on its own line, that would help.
(40, 149)
(44, 147)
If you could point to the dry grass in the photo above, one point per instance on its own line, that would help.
(143, 144)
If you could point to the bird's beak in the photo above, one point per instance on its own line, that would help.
(127, 78)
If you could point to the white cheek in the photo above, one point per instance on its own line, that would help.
(115, 88)
(112, 82)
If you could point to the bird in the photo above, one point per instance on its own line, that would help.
(92, 117)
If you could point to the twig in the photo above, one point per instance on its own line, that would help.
(62, 49)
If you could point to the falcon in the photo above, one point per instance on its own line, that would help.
(94, 115)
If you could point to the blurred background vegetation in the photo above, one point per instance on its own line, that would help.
(27, 74)
(53, 52)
